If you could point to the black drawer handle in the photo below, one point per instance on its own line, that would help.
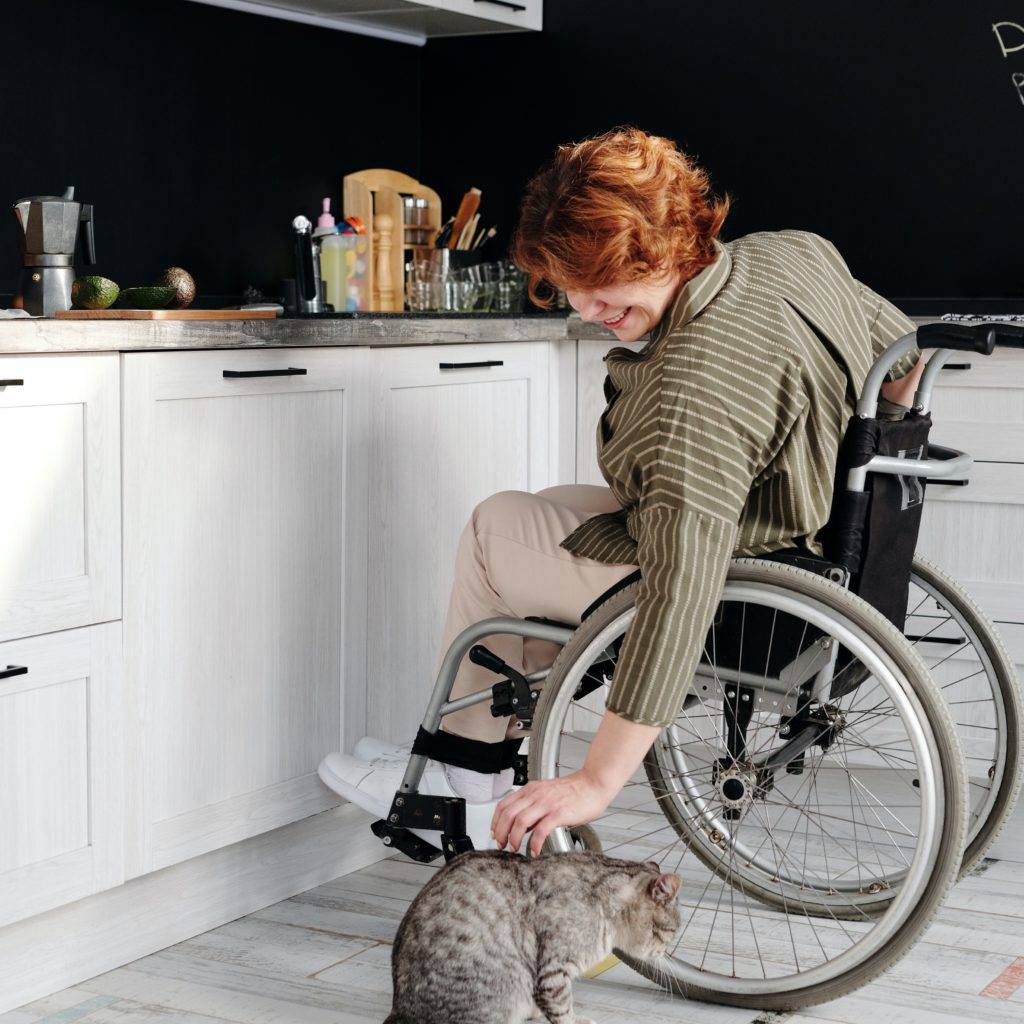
(291, 371)
(470, 366)
(13, 670)
(518, 8)
(946, 483)
(956, 366)
(13, 383)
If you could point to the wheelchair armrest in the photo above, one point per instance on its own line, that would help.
(941, 462)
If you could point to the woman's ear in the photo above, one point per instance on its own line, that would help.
(664, 888)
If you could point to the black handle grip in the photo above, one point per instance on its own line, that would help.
(981, 337)
(13, 670)
(945, 483)
(12, 382)
(518, 8)
(956, 366)
(468, 366)
(86, 217)
(291, 371)
(305, 279)
(480, 655)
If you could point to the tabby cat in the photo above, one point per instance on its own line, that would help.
(494, 938)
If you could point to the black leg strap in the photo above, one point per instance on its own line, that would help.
(461, 752)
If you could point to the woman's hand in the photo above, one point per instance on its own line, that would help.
(543, 806)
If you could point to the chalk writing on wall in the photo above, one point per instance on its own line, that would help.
(1010, 37)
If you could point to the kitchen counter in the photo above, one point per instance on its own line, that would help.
(43, 336)
(372, 330)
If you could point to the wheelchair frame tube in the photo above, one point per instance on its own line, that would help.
(952, 463)
(439, 705)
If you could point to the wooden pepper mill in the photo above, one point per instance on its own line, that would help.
(383, 241)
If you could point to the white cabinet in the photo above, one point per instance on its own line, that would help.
(60, 481)
(242, 493)
(976, 532)
(450, 425)
(590, 403)
(60, 769)
(404, 21)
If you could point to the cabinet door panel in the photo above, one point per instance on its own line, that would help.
(60, 769)
(590, 403)
(443, 441)
(60, 467)
(235, 525)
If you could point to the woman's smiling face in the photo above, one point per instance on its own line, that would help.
(629, 310)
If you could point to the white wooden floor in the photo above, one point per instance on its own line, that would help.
(323, 957)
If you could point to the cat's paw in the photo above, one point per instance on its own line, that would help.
(536, 1014)
(583, 1020)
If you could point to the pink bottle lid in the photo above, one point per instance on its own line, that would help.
(326, 219)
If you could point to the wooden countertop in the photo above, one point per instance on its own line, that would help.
(20, 336)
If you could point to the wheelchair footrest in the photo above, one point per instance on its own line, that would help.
(404, 841)
(443, 814)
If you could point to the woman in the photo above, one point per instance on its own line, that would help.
(720, 438)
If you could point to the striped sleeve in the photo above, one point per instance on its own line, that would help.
(720, 427)
(684, 557)
(887, 324)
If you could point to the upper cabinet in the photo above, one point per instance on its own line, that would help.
(404, 21)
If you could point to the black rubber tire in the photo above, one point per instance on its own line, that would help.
(954, 776)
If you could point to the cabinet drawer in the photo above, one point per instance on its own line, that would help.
(60, 769)
(981, 410)
(59, 493)
(1003, 369)
(429, 365)
(988, 483)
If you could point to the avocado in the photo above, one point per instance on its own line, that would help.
(183, 284)
(148, 297)
(93, 293)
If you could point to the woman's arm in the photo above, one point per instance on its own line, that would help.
(902, 391)
(615, 754)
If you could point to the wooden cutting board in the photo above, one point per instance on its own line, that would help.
(166, 314)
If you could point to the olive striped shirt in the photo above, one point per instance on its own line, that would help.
(720, 438)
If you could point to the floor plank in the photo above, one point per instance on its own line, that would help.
(324, 957)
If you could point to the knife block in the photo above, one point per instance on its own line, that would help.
(375, 197)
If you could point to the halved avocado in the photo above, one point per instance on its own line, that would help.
(92, 292)
(148, 297)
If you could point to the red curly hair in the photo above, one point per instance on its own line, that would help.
(613, 209)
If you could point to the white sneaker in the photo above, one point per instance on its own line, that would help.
(370, 748)
(372, 785)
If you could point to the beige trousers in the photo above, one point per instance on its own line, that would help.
(509, 563)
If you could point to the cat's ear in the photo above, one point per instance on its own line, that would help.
(654, 866)
(664, 888)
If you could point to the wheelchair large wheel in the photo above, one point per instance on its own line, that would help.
(785, 859)
(967, 659)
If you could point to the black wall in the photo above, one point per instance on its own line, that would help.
(197, 133)
(892, 128)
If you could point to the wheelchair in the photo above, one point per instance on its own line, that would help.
(850, 745)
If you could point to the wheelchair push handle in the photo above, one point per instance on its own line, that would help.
(981, 337)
